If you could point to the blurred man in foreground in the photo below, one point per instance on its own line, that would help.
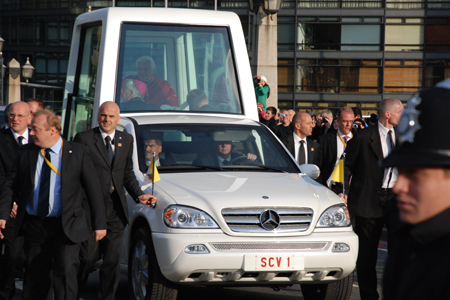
(418, 267)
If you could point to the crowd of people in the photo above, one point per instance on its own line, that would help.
(395, 177)
(58, 231)
(62, 203)
(322, 139)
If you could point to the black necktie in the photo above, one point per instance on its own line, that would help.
(20, 140)
(301, 153)
(109, 149)
(391, 141)
(111, 158)
(44, 188)
(226, 162)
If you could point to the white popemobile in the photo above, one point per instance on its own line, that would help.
(257, 219)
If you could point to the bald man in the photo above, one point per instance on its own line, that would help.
(112, 153)
(304, 150)
(10, 141)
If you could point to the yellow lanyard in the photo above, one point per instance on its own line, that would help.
(49, 163)
(345, 144)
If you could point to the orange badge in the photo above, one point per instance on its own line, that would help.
(119, 144)
(312, 149)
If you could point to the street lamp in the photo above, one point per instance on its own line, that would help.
(2, 70)
(27, 70)
(270, 7)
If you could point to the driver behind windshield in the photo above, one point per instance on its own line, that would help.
(223, 155)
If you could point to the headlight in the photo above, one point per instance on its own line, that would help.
(336, 216)
(186, 217)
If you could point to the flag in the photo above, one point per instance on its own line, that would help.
(154, 170)
(338, 173)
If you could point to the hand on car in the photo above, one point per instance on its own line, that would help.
(343, 197)
(148, 200)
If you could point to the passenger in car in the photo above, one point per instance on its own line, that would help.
(198, 101)
(223, 156)
(133, 92)
(159, 91)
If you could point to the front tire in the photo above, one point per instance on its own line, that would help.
(146, 282)
(338, 290)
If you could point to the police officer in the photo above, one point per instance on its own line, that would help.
(418, 267)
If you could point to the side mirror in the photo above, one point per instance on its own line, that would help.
(312, 171)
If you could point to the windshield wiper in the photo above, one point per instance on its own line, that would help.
(187, 166)
(261, 167)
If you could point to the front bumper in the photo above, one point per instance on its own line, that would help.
(230, 260)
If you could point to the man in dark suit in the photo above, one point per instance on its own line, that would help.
(371, 201)
(223, 155)
(111, 151)
(332, 145)
(10, 141)
(304, 150)
(48, 189)
(324, 123)
(285, 128)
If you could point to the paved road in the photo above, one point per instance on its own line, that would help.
(247, 293)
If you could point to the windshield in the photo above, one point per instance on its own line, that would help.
(206, 147)
(171, 68)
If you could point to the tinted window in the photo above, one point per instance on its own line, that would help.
(199, 146)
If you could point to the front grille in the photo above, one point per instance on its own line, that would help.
(291, 219)
(269, 246)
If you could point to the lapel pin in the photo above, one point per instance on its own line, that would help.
(70, 151)
(119, 144)
(312, 149)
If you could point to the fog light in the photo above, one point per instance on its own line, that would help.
(340, 247)
(196, 249)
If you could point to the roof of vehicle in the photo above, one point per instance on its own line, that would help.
(159, 15)
(191, 119)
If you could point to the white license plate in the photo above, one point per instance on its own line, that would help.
(274, 262)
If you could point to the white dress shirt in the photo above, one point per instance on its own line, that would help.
(297, 140)
(386, 147)
(24, 134)
(104, 135)
(340, 149)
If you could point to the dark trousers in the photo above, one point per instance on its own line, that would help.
(7, 261)
(369, 232)
(109, 248)
(52, 260)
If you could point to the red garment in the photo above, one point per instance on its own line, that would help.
(159, 92)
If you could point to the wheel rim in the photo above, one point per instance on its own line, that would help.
(140, 270)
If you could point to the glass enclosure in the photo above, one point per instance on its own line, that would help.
(206, 147)
(80, 104)
(188, 68)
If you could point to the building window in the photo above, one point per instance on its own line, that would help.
(26, 28)
(404, 34)
(332, 76)
(332, 33)
(435, 71)
(437, 34)
(286, 33)
(405, 4)
(286, 75)
(340, 3)
(402, 76)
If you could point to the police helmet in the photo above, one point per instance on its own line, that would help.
(423, 139)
